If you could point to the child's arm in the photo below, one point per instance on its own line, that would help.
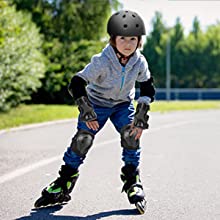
(147, 92)
(76, 87)
(78, 92)
(141, 117)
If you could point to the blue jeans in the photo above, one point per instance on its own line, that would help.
(120, 115)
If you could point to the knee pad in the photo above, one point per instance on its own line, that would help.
(128, 141)
(82, 142)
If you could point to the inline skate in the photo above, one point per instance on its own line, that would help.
(58, 192)
(133, 187)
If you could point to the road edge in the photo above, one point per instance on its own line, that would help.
(36, 125)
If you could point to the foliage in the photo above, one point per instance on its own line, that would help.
(73, 33)
(69, 20)
(21, 62)
(194, 58)
(155, 47)
(64, 60)
(212, 49)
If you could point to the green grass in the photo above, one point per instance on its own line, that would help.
(28, 114)
(164, 106)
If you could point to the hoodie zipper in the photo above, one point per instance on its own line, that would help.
(122, 77)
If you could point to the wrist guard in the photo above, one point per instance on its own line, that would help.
(85, 108)
(141, 117)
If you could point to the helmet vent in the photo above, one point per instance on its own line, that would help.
(125, 25)
(137, 25)
(123, 16)
(133, 16)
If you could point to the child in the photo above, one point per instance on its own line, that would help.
(104, 90)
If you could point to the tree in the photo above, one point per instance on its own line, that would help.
(81, 19)
(69, 20)
(177, 57)
(154, 49)
(42, 13)
(73, 32)
(64, 61)
(21, 61)
(212, 56)
(194, 58)
(196, 27)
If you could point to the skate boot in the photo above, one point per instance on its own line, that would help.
(133, 187)
(58, 191)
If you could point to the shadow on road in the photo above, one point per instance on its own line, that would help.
(48, 213)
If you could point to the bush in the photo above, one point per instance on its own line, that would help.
(64, 61)
(21, 61)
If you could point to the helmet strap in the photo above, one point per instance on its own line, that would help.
(121, 56)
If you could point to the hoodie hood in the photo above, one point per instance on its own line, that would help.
(109, 52)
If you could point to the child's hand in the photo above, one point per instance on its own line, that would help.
(137, 131)
(94, 125)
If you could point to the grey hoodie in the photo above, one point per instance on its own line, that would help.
(109, 83)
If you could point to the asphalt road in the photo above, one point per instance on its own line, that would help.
(180, 170)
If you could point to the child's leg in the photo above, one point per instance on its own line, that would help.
(80, 145)
(130, 173)
(130, 155)
(83, 139)
(130, 176)
(58, 191)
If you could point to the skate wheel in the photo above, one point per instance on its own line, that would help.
(66, 198)
(41, 202)
(141, 206)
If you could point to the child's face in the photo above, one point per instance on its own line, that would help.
(126, 45)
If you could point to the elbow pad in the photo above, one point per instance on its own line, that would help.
(147, 89)
(76, 87)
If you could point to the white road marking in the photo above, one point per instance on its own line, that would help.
(21, 171)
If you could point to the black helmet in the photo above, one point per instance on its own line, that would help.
(126, 23)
